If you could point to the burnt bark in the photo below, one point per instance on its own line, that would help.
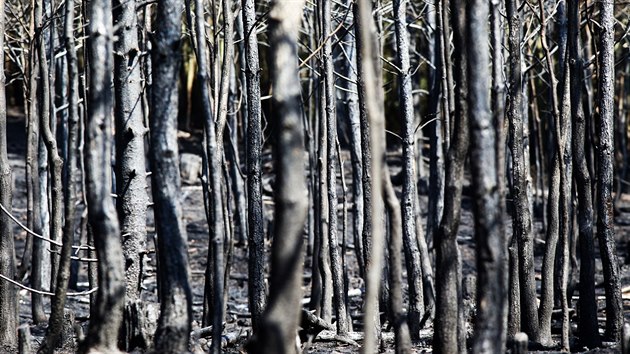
(174, 324)
(491, 246)
(447, 336)
(8, 292)
(55, 327)
(131, 187)
(587, 316)
(522, 218)
(106, 315)
(605, 158)
(279, 325)
(409, 193)
(256, 232)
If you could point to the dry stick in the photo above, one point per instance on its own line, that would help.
(34, 234)
(42, 292)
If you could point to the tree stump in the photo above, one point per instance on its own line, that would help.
(519, 343)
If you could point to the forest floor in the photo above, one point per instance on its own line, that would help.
(237, 328)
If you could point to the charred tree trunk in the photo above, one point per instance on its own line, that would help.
(131, 186)
(605, 234)
(372, 144)
(56, 324)
(8, 292)
(447, 336)
(409, 196)
(176, 306)
(522, 219)
(397, 315)
(106, 315)
(256, 232)
(491, 267)
(587, 320)
(280, 322)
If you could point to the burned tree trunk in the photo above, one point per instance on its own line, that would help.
(256, 232)
(447, 336)
(605, 234)
(106, 315)
(279, 325)
(491, 246)
(176, 306)
(131, 186)
(522, 219)
(132, 198)
(587, 303)
(372, 144)
(409, 196)
(8, 293)
(63, 274)
(338, 290)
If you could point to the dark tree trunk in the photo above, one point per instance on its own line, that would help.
(176, 306)
(55, 327)
(331, 173)
(409, 194)
(605, 234)
(397, 315)
(34, 215)
(491, 246)
(372, 144)
(447, 336)
(280, 322)
(256, 232)
(8, 292)
(587, 320)
(106, 315)
(50, 142)
(522, 219)
(131, 186)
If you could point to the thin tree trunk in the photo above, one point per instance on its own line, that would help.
(447, 336)
(50, 142)
(605, 232)
(553, 204)
(8, 292)
(491, 246)
(409, 196)
(106, 316)
(280, 322)
(331, 173)
(34, 215)
(174, 325)
(131, 186)
(522, 219)
(587, 316)
(397, 315)
(372, 143)
(55, 327)
(256, 232)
